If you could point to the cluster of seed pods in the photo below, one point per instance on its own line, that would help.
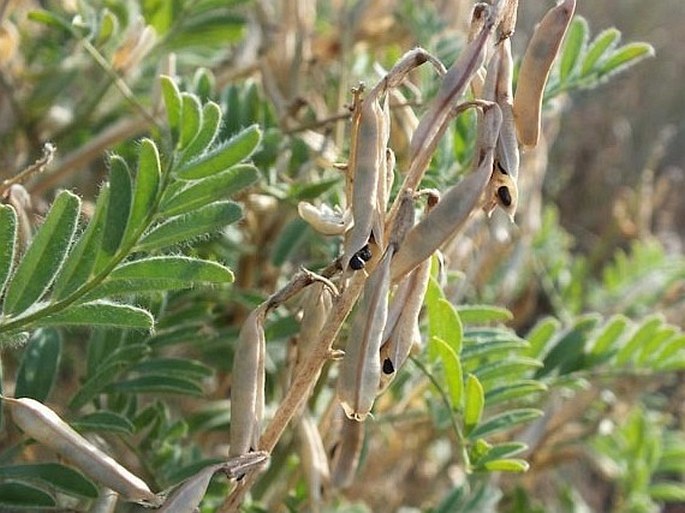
(384, 242)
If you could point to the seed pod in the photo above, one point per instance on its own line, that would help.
(455, 207)
(535, 67)
(324, 219)
(400, 337)
(360, 369)
(247, 388)
(404, 220)
(106, 502)
(507, 144)
(345, 459)
(368, 162)
(314, 461)
(315, 308)
(434, 122)
(501, 190)
(187, 497)
(44, 425)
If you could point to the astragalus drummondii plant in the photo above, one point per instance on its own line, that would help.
(360, 361)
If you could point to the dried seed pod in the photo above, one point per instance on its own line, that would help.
(247, 388)
(507, 144)
(455, 207)
(360, 369)
(44, 425)
(187, 497)
(501, 190)
(535, 67)
(345, 459)
(314, 461)
(434, 122)
(106, 502)
(324, 220)
(368, 162)
(404, 220)
(400, 337)
(315, 308)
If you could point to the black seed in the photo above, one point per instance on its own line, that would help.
(388, 367)
(503, 193)
(356, 263)
(364, 253)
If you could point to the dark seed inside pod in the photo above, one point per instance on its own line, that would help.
(504, 195)
(501, 168)
(356, 263)
(364, 253)
(388, 367)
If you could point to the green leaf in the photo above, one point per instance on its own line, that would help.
(39, 365)
(574, 42)
(100, 313)
(474, 402)
(211, 119)
(8, 235)
(161, 273)
(607, 338)
(481, 314)
(49, 19)
(81, 259)
(513, 390)
(474, 352)
(540, 335)
(499, 451)
(505, 421)
(191, 369)
(66, 479)
(156, 385)
(201, 192)
(172, 103)
(191, 225)
(238, 148)
(443, 319)
(642, 335)
(507, 465)
(625, 57)
(19, 495)
(506, 369)
(45, 255)
(668, 491)
(108, 371)
(289, 241)
(604, 41)
(213, 30)
(146, 187)
(452, 371)
(104, 421)
(567, 355)
(118, 208)
(191, 119)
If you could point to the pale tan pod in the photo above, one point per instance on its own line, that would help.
(106, 502)
(187, 497)
(45, 426)
(360, 369)
(535, 67)
(434, 122)
(247, 385)
(507, 144)
(455, 207)
(366, 174)
(315, 309)
(403, 334)
(383, 194)
(346, 454)
(314, 461)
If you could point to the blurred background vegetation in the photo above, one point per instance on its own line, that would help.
(602, 235)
